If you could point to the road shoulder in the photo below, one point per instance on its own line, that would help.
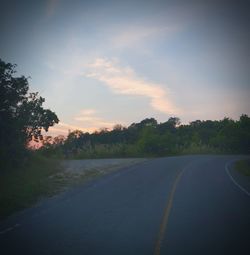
(239, 178)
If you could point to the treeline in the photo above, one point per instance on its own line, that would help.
(149, 138)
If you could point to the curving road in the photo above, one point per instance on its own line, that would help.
(175, 205)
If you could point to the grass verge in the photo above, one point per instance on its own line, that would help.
(243, 167)
(43, 177)
(20, 188)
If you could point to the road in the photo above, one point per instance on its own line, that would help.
(175, 205)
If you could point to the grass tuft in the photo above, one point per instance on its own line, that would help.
(243, 167)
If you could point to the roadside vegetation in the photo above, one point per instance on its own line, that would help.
(243, 167)
(149, 138)
(41, 177)
(23, 173)
(22, 117)
(23, 186)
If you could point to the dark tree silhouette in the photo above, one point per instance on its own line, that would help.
(22, 116)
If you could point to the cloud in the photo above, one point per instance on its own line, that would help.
(63, 129)
(135, 34)
(88, 116)
(88, 112)
(86, 121)
(93, 125)
(125, 81)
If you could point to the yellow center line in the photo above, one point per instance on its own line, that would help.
(166, 214)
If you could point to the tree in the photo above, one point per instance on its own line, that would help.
(33, 118)
(169, 125)
(59, 140)
(118, 127)
(22, 116)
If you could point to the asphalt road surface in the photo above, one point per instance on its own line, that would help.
(176, 205)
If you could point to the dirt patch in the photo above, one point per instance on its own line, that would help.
(79, 171)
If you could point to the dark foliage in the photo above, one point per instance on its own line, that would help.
(149, 138)
(22, 116)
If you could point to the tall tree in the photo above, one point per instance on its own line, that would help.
(22, 116)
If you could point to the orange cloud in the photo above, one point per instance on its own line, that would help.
(125, 81)
(88, 116)
(86, 120)
(63, 129)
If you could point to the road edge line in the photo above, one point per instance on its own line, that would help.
(233, 180)
(2, 232)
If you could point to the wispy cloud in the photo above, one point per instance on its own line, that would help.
(123, 80)
(136, 34)
(87, 112)
(86, 120)
(91, 120)
(63, 129)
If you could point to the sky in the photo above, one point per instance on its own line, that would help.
(101, 63)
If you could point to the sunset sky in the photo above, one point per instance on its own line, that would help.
(99, 63)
